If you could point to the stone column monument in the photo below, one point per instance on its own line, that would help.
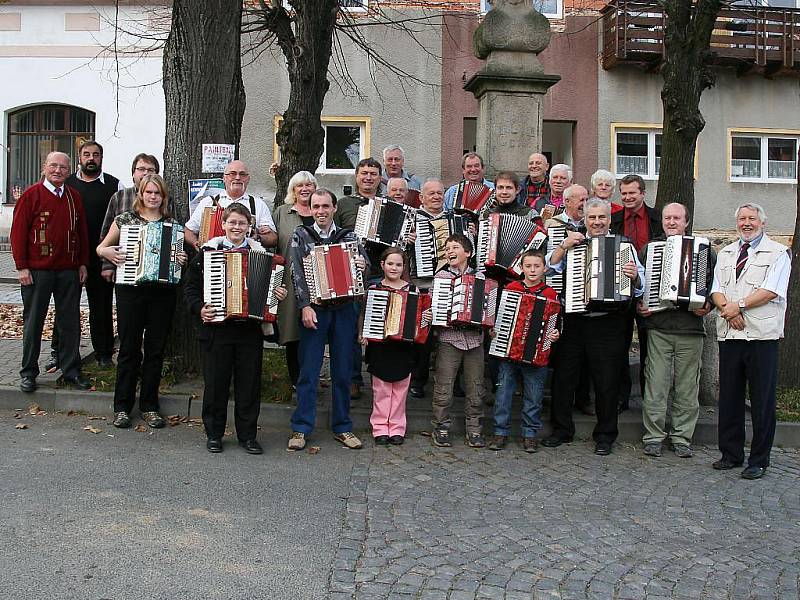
(511, 85)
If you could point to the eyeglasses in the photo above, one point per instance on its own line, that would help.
(145, 170)
(241, 174)
(57, 167)
(237, 223)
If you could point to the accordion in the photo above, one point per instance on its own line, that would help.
(678, 273)
(241, 284)
(385, 221)
(523, 326)
(431, 236)
(211, 223)
(396, 315)
(465, 300)
(593, 279)
(151, 253)
(556, 235)
(549, 211)
(471, 197)
(501, 239)
(331, 273)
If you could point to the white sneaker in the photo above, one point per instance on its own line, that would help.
(349, 440)
(297, 441)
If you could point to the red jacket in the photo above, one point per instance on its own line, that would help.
(540, 290)
(48, 233)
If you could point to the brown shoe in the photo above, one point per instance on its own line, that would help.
(355, 391)
(348, 439)
(530, 445)
(498, 442)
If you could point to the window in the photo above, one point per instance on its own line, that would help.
(638, 152)
(34, 132)
(553, 9)
(347, 141)
(763, 157)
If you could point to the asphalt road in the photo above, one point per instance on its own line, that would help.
(137, 515)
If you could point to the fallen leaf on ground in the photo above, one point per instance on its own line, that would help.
(17, 416)
(313, 450)
(174, 420)
(91, 429)
(33, 409)
(140, 428)
(20, 426)
(72, 413)
(96, 418)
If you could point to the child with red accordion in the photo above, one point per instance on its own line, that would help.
(390, 361)
(533, 377)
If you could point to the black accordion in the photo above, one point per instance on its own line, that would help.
(384, 221)
(431, 236)
(151, 253)
(241, 283)
(678, 273)
(502, 238)
(594, 280)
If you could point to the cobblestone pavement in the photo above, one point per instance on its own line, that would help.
(424, 522)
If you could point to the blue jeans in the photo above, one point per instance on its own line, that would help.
(336, 327)
(533, 379)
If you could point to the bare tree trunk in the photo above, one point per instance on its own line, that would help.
(307, 49)
(205, 102)
(789, 365)
(686, 74)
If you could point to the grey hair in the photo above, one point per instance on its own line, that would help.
(602, 175)
(762, 214)
(388, 181)
(568, 192)
(593, 202)
(392, 148)
(561, 167)
(432, 180)
(298, 178)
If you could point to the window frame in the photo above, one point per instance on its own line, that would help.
(651, 129)
(365, 124)
(764, 135)
(559, 14)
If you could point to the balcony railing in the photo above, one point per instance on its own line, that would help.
(760, 39)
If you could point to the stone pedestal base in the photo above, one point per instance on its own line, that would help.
(709, 375)
(509, 119)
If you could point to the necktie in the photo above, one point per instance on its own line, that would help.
(742, 259)
(59, 192)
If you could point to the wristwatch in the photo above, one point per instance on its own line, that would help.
(741, 305)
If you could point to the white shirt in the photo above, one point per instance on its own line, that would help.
(53, 188)
(120, 185)
(263, 216)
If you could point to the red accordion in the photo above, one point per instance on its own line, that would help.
(502, 238)
(211, 223)
(331, 272)
(523, 328)
(465, 300)
(471, 196)
(396, 315)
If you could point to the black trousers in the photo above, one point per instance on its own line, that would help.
(65, 289)
(751, 365)
(293, 361)
(100, 294)
(420, 373)
(144, 314)
(238, 359)
(625, 371)
(596, 344)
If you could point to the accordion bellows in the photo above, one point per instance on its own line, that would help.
(151, 253)
(331, 273)
(678, 273)
(241, 283)
(471, 197)
(502, 238)
(211, 223)
(384, 221)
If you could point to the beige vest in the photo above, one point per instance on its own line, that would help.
(761, 323)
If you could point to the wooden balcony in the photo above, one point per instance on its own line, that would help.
(749, 39)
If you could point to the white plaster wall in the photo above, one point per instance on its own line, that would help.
(411, 118)
(129, 116)
(628, 95)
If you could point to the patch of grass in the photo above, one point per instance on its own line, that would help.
(276, 387)
(788, 408)
(103, 378)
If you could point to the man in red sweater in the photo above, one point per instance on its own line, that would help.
(51, 251)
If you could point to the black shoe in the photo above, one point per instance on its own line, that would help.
(441, 438)
(105, 362)
(51, 366)
(28, 384)
(251, 446)
(78, 381)
(382, 440)
(475, 440)
(417, 392)
(753, 472)
(723, 464)
(554, 441)
(602, 448)
(214, 445)
(397, 440)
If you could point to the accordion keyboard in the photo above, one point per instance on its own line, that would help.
(441, 295)
(652, 285)
(556, 235)
(504, 326)
(214, 283)
(129, 240)
(376, 308)
(575, 279)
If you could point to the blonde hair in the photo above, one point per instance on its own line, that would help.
(297, 179)
(166, 206)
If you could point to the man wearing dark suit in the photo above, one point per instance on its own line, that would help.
(640, 224)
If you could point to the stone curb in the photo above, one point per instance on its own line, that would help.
(630, 423)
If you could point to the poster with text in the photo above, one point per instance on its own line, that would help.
(217, 156)
(201, 188)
